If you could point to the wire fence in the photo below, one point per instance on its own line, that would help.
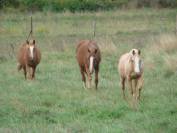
(53, 32)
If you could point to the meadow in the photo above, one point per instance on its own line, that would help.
(56, 100)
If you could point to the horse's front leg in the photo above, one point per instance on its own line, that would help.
(135, 88)
(33, 72)
(96, 77)
(139, 87)
(83, 76)
(25, 71)
(130, 85)
(89, 75)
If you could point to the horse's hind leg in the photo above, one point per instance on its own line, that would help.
(25, 72)
(19, 66)
(123, 87)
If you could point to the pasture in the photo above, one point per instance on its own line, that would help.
(57, 102)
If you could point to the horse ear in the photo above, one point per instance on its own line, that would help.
(34, 42)
(133, 52)
(139, 51)
(95, 51)
(27, 41)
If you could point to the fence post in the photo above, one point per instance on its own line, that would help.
(31, 30)
(176, 25)
(94, 28)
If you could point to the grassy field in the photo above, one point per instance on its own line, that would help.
(57, 102)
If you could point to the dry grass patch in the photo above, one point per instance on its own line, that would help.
(165, 43)
(107, 46)
(165, 49)
(170, 64)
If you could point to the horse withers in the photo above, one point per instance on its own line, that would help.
(88, 57)
(130, 69)
(28, 57)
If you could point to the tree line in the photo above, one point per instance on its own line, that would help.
(82, 5)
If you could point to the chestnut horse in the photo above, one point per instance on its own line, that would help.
(130, 68)
(29, 57)
(88, 56)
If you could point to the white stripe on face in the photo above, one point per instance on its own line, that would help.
(91, 64)
(31, 51)
(137, 65)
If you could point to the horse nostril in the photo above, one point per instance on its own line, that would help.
(139, 74)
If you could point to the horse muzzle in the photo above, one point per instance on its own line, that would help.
(135, 75)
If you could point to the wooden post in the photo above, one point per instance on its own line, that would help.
(94, 28)
(31, 30)
(31, 25)
(176, 25)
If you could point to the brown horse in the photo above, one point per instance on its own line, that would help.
(88, 56)
(130, 69)
(29, 57)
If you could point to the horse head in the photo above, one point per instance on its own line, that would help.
(31, 49)
(92, 52)
(136, 61)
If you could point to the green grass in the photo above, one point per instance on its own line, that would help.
(57, 102)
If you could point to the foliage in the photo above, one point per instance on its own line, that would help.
(81, 5)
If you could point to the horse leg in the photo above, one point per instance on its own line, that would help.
(96, 77)
(135, 88)
(130, 86)
(19, 66)
(83, 76)
(30, 69)
(89, 76)
(139, 87)
(33, 72)
(25, 72)
(123, 86)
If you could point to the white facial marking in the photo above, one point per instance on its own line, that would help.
(137, 65)
(91, 64)
(31, 51)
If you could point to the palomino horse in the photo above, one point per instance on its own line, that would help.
(130, 68)
(88, 56)
(28, 57)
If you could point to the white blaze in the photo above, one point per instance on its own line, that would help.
(91, 64)
(137, 65)
(31, 51)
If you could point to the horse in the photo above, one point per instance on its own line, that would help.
(130, 68)
(88, 56)
(28, 57)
